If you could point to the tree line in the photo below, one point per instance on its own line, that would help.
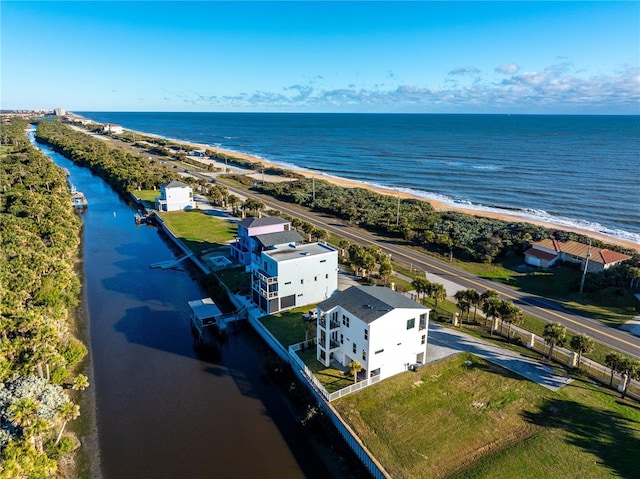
(123, 170)
(39, 294)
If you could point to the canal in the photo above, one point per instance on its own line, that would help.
(162, 411)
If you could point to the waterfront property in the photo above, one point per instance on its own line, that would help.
(174, 196)
(547, 252)
(293, 275)
(113, 129)
(78, 200)
(252, 230)
(384, 331)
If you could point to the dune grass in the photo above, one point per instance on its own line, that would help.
(451, 419)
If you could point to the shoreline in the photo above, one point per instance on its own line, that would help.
(438, 205)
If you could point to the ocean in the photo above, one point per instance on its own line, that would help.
(575, 171)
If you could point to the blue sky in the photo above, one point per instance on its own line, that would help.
(425, 57)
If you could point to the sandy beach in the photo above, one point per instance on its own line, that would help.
(439, 206)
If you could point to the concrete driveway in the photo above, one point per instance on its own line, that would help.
(444, 342)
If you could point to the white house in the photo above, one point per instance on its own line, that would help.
(293, 275)
(111, 128)
(174, 196)
(384, 331)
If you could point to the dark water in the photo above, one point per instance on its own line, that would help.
(161, 411)
(568, 170)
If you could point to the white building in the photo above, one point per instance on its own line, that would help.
(384, 331)
(294, 275)
(174, 196)
(111, 128)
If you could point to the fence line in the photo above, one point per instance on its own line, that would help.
(567, 357)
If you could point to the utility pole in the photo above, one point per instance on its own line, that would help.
(398, 212)
(313, 188)
(586, 264)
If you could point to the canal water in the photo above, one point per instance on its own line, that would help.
(162, 411)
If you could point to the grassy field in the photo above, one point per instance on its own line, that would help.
(288, 327)
(199, 231)
(451, 419)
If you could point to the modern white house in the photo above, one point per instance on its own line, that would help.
(251, 230)
(111, 128)
(547, 252)
(384, 331)
(174, 196)
(291, 275)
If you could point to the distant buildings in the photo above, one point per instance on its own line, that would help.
(384, 331)
(174, 196)
(547, 252)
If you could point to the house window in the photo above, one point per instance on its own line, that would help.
(341, 338)
(364, 355)
(423, 339)
(366, 335)
(379, 351)
(323, 260)
(302, 281)
(355, 348)
(345, 320)
(411, 323)
(322, 354)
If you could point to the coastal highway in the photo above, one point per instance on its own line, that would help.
(545, 309)
(537, 306)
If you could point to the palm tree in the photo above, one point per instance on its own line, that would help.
(421, 285)
(474, 299)
(510, 314)
(80, 382)
(613, 360)
(582, 344)
(233, 201)
(630, 369)
(491, 309)
(463, 303)
(23, 412)
(437, 292)
(554, 334)
(354, 368)
(67, 412)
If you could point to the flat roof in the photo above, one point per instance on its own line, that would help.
(290, 252)
(204, 308)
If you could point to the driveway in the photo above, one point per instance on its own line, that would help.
(444, 342)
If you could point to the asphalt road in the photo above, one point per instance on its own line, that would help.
(543, 308)
(537, 306)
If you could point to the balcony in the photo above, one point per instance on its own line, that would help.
(258, 286)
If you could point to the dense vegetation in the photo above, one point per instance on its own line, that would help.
(469, 237)
(124, 171)
(39, 291)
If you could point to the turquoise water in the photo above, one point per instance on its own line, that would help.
(568, 170)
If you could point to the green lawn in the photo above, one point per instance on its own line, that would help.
(454, 420)
(199, 231)
(288, 327)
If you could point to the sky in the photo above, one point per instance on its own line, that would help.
(384, 57)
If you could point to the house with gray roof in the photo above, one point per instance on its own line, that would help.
(384, 331)
(247, 244)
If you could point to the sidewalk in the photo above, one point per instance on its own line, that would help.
(444, 342)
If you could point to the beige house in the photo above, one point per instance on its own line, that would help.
(547, 252)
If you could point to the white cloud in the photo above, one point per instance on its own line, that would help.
(508, 68)
(557, 89)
